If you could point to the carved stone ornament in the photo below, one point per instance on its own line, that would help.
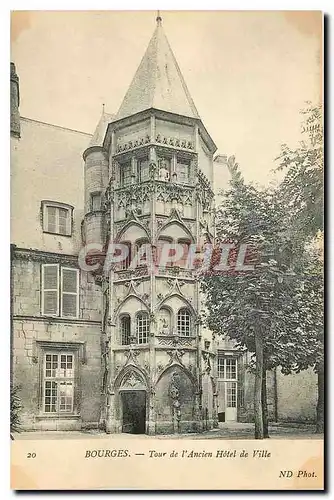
(132, 381)
(153, 168)
(175, 356)
(207, 363)
(132, 355)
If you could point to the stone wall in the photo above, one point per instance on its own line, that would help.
(163, 402)
(297, 396)
(31, 331)
(27, 337)
(49, 158)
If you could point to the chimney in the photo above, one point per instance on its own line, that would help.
(14, 102)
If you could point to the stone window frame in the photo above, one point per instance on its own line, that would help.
(140, 157)
(227, 357)
(60, 292)
(170, 241)
(122, 317)
(189, 158)
(240, 374)
(45, 204)
(231, 383)
(125, 264)
(187, 309)
(183, 241)
(137, 327)
(173, 156)
(137, 244)
(93, 195)
(127, 162)
(78, 349)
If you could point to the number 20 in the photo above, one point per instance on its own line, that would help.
(31, 455)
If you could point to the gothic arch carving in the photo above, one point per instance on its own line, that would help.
(131, 378)
(178, 223)
(173, 365)
(121, 304)
(135, 222)
(186, 302)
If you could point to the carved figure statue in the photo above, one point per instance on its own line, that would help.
(163, 171)
(163, 327)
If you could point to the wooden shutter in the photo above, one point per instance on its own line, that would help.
(63, 217)
(50, 288)
(51, 219)
(69, 292)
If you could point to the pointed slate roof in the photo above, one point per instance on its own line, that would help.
(158, 82)
(100, 131)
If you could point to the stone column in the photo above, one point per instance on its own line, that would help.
(198, 412)
(151, 415)
(151, 425)
(111, 422)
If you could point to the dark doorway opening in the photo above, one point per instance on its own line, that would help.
(221, 417)
(134, 412)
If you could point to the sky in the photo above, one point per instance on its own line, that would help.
(249, 73)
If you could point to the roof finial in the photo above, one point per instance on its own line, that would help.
(159, 18)
(103, 107)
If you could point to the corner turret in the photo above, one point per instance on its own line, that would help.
(96, 181)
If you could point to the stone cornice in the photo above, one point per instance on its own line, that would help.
(142, 115)
(92, 149)
(51, 319)
(43, 256)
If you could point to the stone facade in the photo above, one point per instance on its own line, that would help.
(152, 209)
(107, 346)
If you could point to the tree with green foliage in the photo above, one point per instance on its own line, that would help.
(302, 192)
(273, 311)
(255, 308)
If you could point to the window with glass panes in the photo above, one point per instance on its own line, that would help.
(221, 367)
(143, 170)
(231, 394)
(143, 327)
(227, 368)
(59, 291)
(57, 219)
(125, 330)
(58, 382)
(227, 371)
(183, 323)
(125, 174)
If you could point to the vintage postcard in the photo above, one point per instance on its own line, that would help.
(167, 250)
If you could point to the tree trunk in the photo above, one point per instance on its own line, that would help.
(258, 418)
(264, 403)
(321, 403)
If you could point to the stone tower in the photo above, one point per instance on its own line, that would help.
(158, 371)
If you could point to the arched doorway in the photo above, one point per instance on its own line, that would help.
(132, 395)
(134, 411)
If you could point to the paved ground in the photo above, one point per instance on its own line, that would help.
(235, 430)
